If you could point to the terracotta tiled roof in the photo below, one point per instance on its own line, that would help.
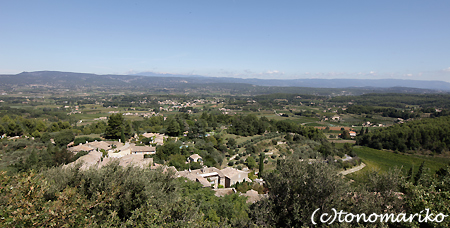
(80, 148)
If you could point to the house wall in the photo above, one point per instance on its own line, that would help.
(238, 178)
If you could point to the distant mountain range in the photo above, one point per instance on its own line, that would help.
(153, 82)
(318, 83)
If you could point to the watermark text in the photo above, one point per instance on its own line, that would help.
(346, 217)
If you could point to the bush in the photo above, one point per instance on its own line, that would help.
(64, 137)
(195, 165)
(147, 155)
(79, 154)
(231, 163)
(251, 163)
(311, 186)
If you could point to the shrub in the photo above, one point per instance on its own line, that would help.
(147, 155)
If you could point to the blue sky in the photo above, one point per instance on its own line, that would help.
(249, 39)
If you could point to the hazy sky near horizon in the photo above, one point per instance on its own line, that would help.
(242, 38)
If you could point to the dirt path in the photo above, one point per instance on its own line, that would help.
(354, 169)
(342, 141)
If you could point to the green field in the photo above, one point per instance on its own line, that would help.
(384, 160)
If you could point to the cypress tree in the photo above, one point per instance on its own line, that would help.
(409, 176)
(261, 164)
(122, 136)
(419, 173)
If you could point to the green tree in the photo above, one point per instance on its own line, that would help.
(36, 134)
(2, 130)
(231, 142)
(348, 148)
(40, 126)
(127, 129)
(173, 128)
(32, 160)
(122, 136)
(45, 137)
(288, 137)
(297, 189)
(178, 161)
(345, 134)
(362, 131)
(170, 147)
(54, 127)
(431, 192)
(419, 173)
(115, 126)
(409, 175)
(261, 164)
(64, 137)
(251, 163)
(13, 129)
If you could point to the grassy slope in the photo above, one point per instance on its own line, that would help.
(384, 160)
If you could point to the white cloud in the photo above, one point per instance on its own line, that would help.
(441, 74)
(131, 72)
(248, 74)
(9, 71)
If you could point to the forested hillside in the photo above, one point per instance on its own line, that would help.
(426, 134)
(397, 100)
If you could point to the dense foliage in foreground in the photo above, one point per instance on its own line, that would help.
(114, 196)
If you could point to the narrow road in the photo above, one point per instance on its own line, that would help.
(233, 156)
(354, 169)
